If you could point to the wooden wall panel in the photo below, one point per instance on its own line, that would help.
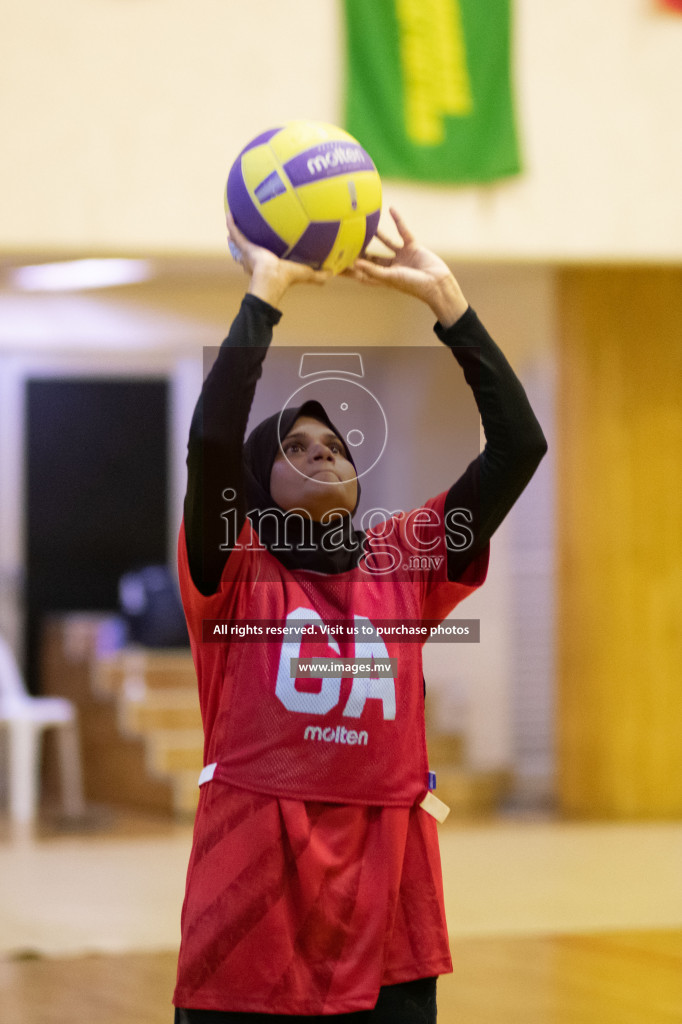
(620, 542)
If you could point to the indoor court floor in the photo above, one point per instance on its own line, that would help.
(550, 922)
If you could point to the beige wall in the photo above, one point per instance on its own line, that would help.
(120, 118)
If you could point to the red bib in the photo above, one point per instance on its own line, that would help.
(351, 728)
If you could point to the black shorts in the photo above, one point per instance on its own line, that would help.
(412, 1002)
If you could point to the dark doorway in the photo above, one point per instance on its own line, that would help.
(96, 454)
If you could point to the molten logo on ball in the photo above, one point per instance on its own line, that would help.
(338, 160)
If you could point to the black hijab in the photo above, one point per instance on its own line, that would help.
(332, 547)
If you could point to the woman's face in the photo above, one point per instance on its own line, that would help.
(311, 471)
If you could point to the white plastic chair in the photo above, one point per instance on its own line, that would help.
(25, 719)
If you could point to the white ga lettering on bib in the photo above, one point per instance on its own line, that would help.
(369, 646)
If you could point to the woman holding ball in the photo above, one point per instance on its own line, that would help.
(314, 888)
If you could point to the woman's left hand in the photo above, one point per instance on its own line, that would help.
(415, 270)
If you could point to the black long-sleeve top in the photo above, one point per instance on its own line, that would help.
(514, 441)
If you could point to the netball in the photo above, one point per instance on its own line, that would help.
(308, 192)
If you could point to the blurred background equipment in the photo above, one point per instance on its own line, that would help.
(151, 607)
(25, 719)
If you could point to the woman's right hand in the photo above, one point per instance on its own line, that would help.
(270, 276)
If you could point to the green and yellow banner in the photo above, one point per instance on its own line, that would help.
(428, 90)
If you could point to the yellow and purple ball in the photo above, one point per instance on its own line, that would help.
(308, 192)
